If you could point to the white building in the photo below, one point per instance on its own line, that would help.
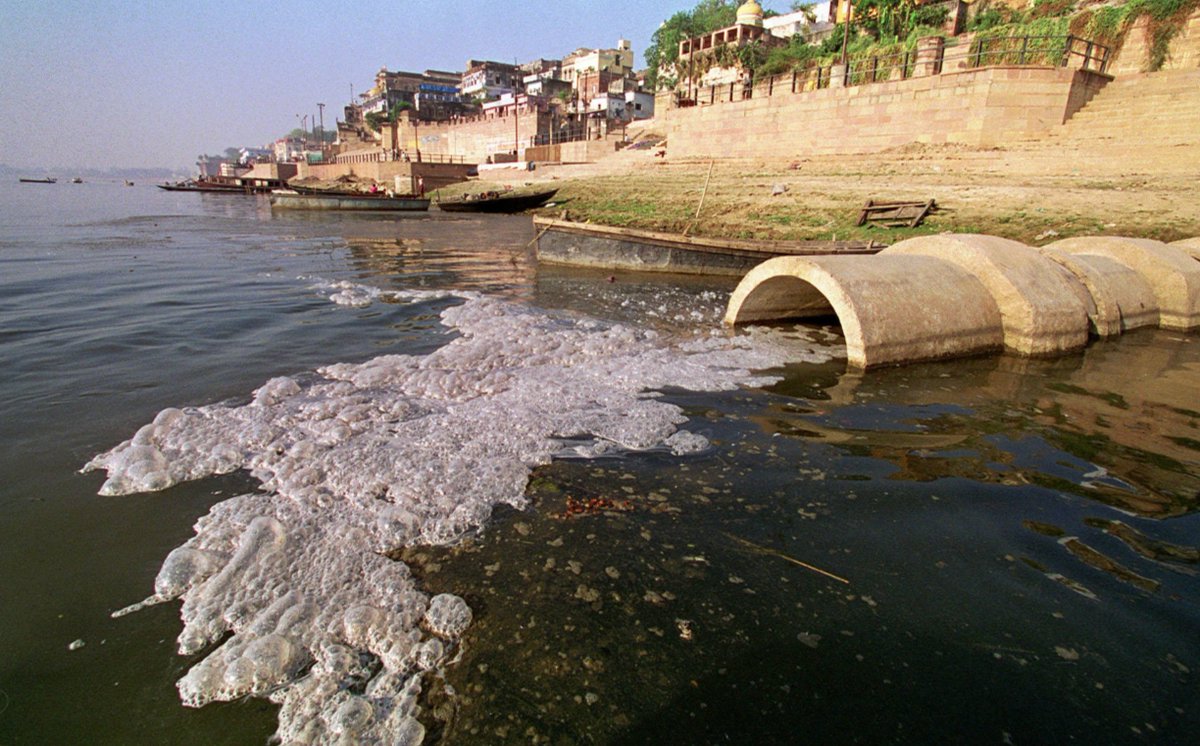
(816, 19)
(639, 105)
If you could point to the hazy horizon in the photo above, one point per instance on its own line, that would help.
(109, 84)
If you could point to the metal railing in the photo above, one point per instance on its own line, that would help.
(1057, 51)
(876, 69)
(383, 156)
(1054, 51)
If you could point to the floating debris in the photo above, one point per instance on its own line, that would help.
(577, 507)
(685, 629)
(781, 555)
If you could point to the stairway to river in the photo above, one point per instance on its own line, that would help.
(1148, 123)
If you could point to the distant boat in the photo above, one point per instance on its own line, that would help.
(47, 180)
(128, 182)
(499, 202)
(77, 180)
(370, 202)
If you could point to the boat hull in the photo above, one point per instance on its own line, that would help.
(367, 202)
(604, 247)
(501, 204)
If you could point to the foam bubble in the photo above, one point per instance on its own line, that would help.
(367, 458)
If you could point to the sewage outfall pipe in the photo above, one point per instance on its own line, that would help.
(892, 309)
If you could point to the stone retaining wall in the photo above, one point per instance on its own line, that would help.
(983, 107)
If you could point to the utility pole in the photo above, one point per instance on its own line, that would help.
(846, 31)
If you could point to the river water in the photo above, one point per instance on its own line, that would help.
(988, 551)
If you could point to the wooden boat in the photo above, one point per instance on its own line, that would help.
(77, 180)
(371, 202)
(605, 247)
(316, 190)
(201, 186)
(47, 180)
(499, 202)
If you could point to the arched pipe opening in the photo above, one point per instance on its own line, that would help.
(891, 310)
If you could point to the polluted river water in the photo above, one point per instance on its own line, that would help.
(374, 480)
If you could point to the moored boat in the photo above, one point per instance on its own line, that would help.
(341, 201)
(47, 180)
(203, 186)
(499, 202)
(606, 247)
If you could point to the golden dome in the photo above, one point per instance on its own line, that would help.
(750, 14)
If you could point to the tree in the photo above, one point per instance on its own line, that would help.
(807, 7)
(663, 52)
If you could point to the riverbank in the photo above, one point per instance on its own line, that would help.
(1023, 192)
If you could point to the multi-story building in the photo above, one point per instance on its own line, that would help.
(536, 85)
(433, 94)
(490, 80)
(288, 149)
(618, 62)
(696, 61)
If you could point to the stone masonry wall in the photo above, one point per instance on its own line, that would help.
(981, 107)
(472, 140)
(1184, 50)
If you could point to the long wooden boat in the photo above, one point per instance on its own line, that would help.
(47, 180)
(499, 202)
(371, 202)
(606, 247)
(302, 189)
(202, 185)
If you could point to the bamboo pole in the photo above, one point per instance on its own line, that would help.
(704, 192)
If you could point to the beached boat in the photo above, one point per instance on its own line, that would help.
(605, 247)
(47, 180)
(499, 202)
(340, 201)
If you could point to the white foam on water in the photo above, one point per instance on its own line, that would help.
(290, 584)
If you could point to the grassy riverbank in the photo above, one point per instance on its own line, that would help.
(1028, 195)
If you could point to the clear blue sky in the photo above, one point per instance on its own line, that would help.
(143, 83)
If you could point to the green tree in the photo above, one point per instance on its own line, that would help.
(663, 52)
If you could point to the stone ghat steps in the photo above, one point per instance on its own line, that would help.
(1145, 99)
(1153, 110)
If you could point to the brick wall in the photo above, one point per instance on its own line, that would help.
(981, 107)
(1134, 55)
